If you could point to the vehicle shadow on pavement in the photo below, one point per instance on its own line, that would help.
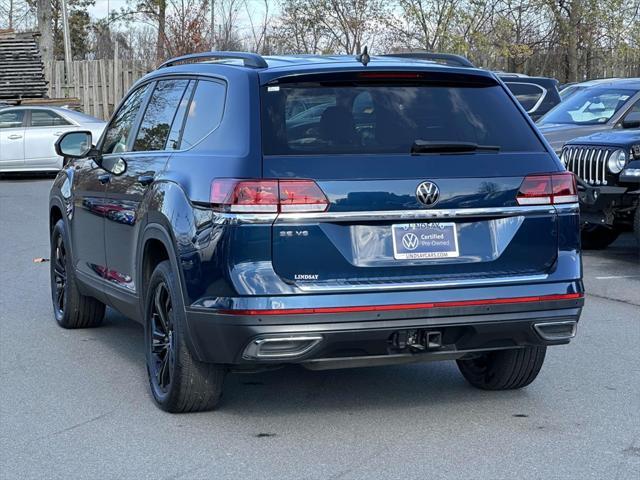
(625, 248)
(294, 389)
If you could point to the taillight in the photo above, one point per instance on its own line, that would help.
(267, 196)
(256, 196)
(549, 189)
(301, 196)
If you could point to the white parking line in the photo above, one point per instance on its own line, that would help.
(613, 277)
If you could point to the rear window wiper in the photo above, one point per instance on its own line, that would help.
(424, 146)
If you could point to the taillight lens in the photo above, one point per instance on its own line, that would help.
(267, 196)
(301, 196)
(564, 188)
(550, 189)
(256, 196)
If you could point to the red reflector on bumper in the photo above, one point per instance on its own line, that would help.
(406, 306)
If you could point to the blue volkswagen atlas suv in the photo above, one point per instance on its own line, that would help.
(327, 211)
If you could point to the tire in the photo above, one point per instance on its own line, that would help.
(71, 309)
(179, 383)
(597, 237)
(503, 369)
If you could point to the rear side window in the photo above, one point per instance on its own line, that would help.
(118, 132)
(311, 119)
(528, 94)
(173, 142)
(45, 118)
(204, 112)
(159, 115)
(11, 119)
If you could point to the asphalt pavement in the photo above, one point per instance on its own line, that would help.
(74, 404)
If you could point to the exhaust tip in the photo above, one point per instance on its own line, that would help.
(556, 331)
(285, 347)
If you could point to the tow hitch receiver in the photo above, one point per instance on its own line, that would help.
(416, 340)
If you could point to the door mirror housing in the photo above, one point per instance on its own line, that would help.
(632, 120)
(76, 144)
(115, 165)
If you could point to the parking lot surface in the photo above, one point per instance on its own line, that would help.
(74, 404)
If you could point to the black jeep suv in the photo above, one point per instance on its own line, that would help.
(327, 211)
(607, 165)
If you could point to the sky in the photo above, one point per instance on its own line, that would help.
(100, 9)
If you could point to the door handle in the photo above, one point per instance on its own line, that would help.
(14, 137)
(57, 134)
(145, 180)
(104, 178)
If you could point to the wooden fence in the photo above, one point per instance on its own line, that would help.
(99, 85)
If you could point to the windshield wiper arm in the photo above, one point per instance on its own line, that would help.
(424, 146)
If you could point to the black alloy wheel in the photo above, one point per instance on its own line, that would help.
(59, 291)
(179, 382)
(162, 341)
(71, 308)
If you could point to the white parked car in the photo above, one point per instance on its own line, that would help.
(28, 135)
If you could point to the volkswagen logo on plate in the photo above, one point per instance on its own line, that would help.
(428, 193)
(410, 241)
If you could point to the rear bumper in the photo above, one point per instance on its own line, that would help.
(361, 338)
(602, 205)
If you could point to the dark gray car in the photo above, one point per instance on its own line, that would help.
(599, 108)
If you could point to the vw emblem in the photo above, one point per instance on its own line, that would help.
(410, 241)
(427, 193)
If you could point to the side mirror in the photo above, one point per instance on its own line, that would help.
(632, 120)
(74, 144)
(115, 165)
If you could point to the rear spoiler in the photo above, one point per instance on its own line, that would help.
(446, 58)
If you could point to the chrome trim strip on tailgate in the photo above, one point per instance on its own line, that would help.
(383, 215)
(339, 287)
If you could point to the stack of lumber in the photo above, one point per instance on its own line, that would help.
(21, 68)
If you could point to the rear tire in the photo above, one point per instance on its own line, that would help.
(503, 369)
(597, 237)
(179, 382)
(70, 308)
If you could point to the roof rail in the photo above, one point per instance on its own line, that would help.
(252, 60)
(446, 58)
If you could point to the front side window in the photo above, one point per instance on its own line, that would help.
(591, 106)
(312, 119)
(528, 94)
(11, 119)
(117, 135)
(204, 113)
(46, 118)
(159, 115)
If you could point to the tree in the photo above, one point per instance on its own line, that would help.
(152, 12)
(45, 28)
(187, 27)
(226, 32)
(259, 30)
(351, 23)
(297, 30)
(567, 15)
(16, 14)
(426, 24)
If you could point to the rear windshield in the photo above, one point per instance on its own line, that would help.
(312, 119)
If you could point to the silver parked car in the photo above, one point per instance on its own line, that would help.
(598, 108)
(28, 135)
